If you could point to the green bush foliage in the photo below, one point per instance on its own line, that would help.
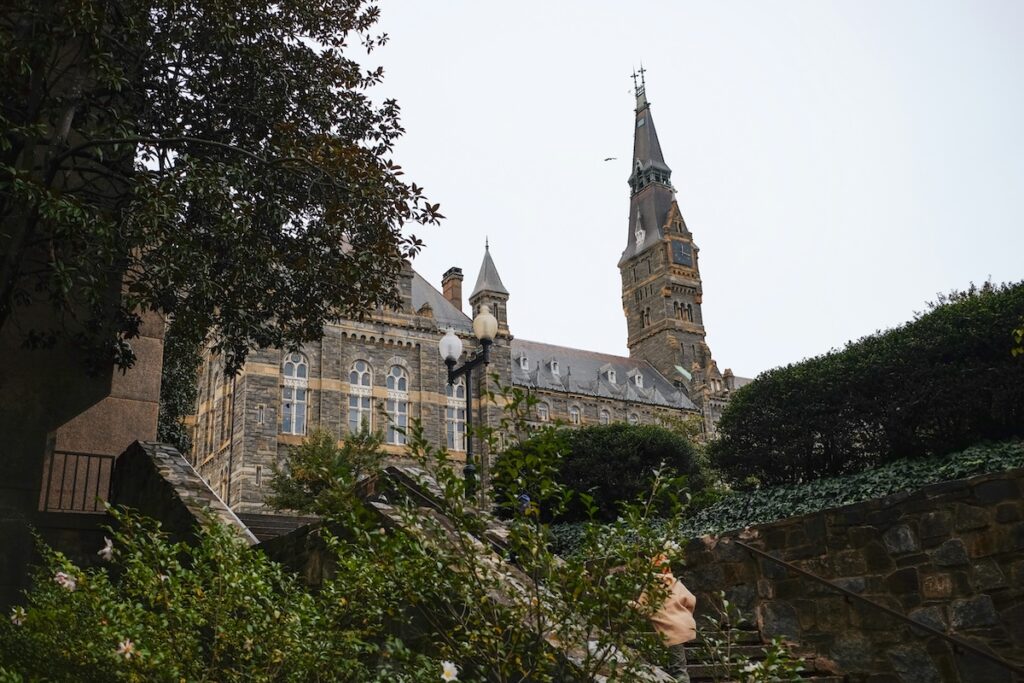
(937, 384)
(603, 466)
(762, 506)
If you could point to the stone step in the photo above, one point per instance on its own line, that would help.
(267, 526)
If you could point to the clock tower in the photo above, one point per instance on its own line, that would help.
(661, 285)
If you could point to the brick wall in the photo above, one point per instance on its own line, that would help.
(950, 555)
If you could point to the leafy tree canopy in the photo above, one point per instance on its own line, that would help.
(217, 162)
(944, 381)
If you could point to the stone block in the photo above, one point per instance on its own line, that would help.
(1008, 512)
(903, 581)
(849, 563)
(913, 664)
(971, 517)
(900, 540)
(877, 558)
(975, 669)
(983, 543)
(765, 589)
(852, 652)
(973, 613)
(1012, 619)
(934, 524)
(990, 492)
(936, 586)
(830, 614)
(950, 554)
(854, 584)
(987, 575)
(933, 615)
(779, 618)
(815, 530)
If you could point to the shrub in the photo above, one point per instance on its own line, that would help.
(939, 383)
(747, 508)
(602, 465)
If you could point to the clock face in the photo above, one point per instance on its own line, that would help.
(682, 254)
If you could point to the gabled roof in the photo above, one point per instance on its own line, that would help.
(444, 312)
(582, 372)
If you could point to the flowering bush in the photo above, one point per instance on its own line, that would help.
(415, 595)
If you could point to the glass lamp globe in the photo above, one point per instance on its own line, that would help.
(485, 325)
(450, 346)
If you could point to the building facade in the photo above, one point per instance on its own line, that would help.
(385, 371)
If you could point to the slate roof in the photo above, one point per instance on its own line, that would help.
(584, 372)
(488, 279)
(444, 312)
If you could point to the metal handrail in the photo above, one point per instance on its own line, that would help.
(957, 643)
(52, 500)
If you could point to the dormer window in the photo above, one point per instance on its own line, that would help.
(637, 379)
(554, 367)
(611, 376)
(524, 363)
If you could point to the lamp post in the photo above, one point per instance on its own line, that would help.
(485, 327)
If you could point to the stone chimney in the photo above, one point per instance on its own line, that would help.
(451, 286)
(730, 379)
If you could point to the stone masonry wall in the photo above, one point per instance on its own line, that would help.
(950, 555)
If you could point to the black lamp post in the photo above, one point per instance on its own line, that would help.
(485, 327)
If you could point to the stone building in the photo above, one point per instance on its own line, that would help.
(385, 371)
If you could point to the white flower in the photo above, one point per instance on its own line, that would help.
(126, 649)
(751, 667)
(66, 581)
(18, 616)
(449, 672)
(163, 578)
(106, 553)
(671, 546)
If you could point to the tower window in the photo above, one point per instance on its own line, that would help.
(455, 415)
(294, 397)
(360, 386)
(259, 476)
(261, 414)
(397, 404)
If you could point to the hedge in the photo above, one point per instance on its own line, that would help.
(613, 463)
(762, 506)
(937, 384)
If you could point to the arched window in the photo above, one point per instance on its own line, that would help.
(455, 415)
(606, 417)
(574, 415)
(360, 387)
(689, 312)
(397, 404)
(543, 412)
(634, 419)
(294, 394)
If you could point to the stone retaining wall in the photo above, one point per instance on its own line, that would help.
(950, 555)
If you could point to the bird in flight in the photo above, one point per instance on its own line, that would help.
(610, 158)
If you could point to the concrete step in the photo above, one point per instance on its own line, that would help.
(267, 526)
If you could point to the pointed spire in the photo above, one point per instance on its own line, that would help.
(488, 280)
(648, 162)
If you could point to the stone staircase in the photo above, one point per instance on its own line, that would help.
(746, 643)
(265, 526)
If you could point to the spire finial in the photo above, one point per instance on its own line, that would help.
(640, 86)
(487, 243)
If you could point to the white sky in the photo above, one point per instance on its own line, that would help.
(839, 163)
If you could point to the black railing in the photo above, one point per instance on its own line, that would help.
(959, 646)
(76, 482)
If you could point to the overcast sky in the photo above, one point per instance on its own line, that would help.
(838, 163)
